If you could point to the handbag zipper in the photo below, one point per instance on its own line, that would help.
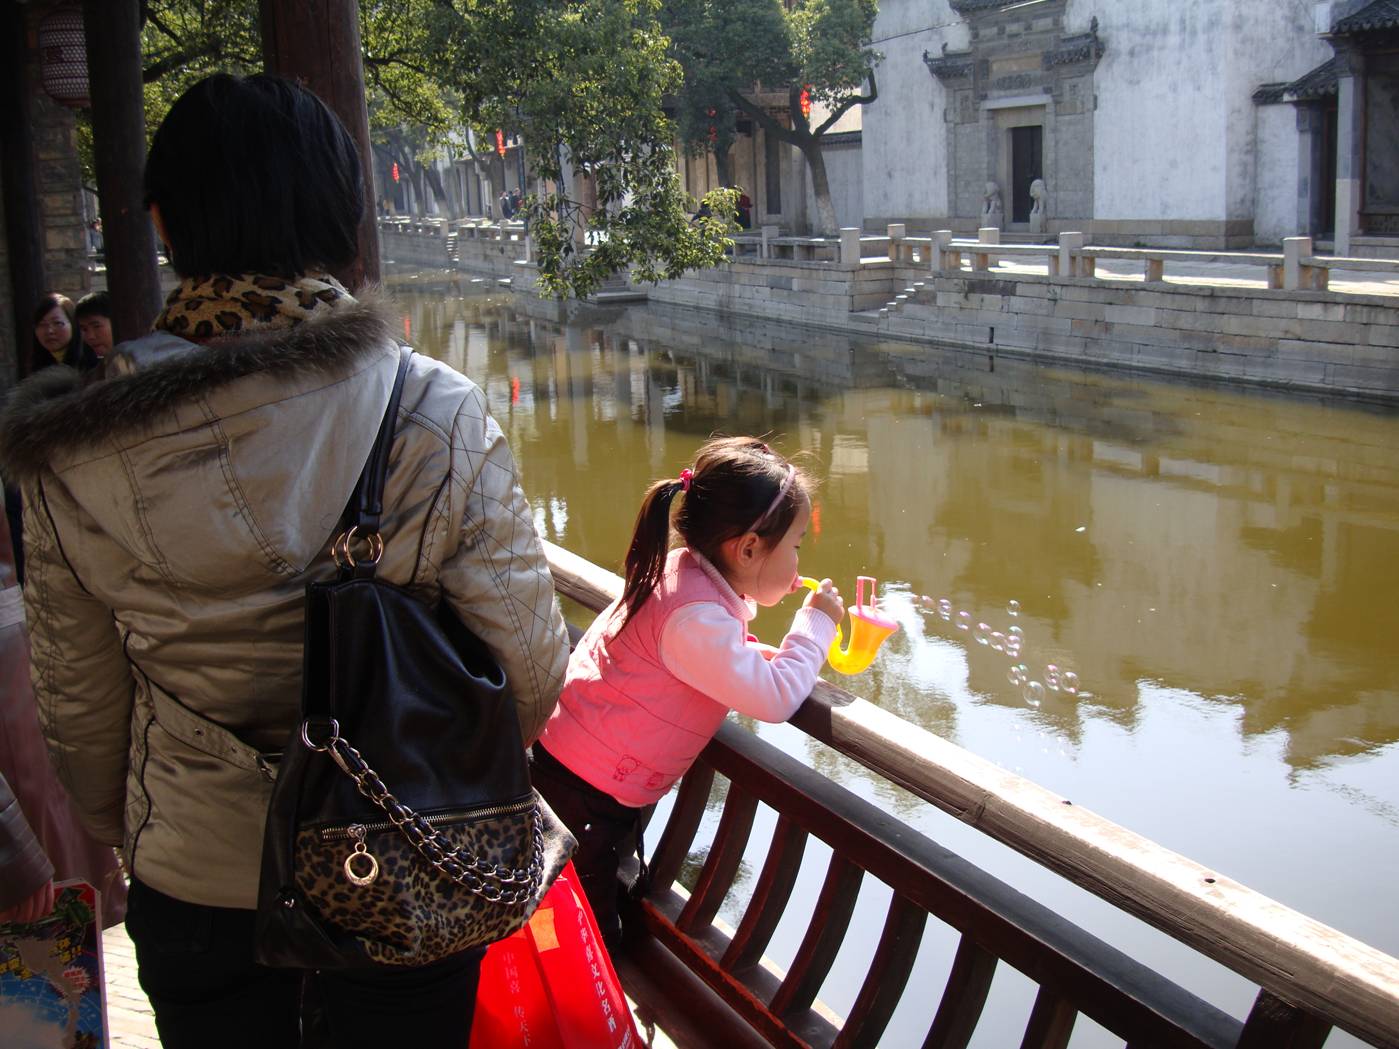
(345, 831)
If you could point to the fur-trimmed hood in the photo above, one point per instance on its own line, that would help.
(56, 412)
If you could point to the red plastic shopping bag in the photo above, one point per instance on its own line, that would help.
(551, 985)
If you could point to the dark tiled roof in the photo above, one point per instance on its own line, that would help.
(1319, 83)
(1380, 14)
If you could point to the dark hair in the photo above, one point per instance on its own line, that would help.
(255, 175)
(734, 482)
(94, 304)
(77, 355)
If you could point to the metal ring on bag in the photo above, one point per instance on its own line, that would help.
(340, 549)
(330, 740)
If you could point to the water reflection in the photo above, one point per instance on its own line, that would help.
(1217, 570)
(1240, 548)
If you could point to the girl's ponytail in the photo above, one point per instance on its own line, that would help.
(650, 544)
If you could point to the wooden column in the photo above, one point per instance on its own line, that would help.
(317, 44)
(113, 30)
(21, 201)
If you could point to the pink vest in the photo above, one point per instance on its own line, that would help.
(624, 723)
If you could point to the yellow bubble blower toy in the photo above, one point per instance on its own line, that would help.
(869, 629)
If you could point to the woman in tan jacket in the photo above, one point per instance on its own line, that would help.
(176, 511)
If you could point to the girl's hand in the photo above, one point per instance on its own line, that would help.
(826, 598)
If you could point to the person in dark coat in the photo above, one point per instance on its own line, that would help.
(56, 336)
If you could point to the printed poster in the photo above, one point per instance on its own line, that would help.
(51, 976)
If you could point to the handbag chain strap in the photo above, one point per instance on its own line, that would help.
(491, 881)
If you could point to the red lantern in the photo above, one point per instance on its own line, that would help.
(500, 143)
(394, 171)
(806, 102)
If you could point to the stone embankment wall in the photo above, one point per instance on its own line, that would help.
(808, 292)
(1316, 341)
(479, 255)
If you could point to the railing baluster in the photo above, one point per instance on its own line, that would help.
(735, 825)
(963, 998)
(1051, 1022)
(824, 935)
(888, 975)
(682, 825)
(770, 897)
(1276, 1024)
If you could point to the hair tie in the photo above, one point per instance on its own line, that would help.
(686, 477)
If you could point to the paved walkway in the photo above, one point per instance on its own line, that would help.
(1219, 275)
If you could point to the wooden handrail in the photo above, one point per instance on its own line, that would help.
(1349, 983)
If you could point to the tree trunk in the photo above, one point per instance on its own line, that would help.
(317, 43)
(439, 192)
(723, 165)
(113, 33)
(821, 186)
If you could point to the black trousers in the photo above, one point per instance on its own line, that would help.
(195, 963)
(607, 831)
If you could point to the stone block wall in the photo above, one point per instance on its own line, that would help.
(58, 183)
(1315, 341)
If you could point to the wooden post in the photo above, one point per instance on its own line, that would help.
(317, 44)
(113, 31)
(21, 200)
(1155, 271)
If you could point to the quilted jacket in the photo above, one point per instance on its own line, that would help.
(174, 513)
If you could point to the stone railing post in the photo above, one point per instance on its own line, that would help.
(767, 234)
(850, 247)
(1293, 275)
(985, 235)
(897, 232)
(941, 252)
(1070, 245)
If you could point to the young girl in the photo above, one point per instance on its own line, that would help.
(650, 682)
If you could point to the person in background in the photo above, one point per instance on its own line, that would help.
(745, 209)
(653, 678)
(94, 313)
(30, 776)
(507, 206)
(56, 336)
(175, 513)
(26, 875)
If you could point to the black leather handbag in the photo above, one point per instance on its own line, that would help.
(402, 827)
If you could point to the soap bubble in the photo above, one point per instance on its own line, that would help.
(1015, 676)
(964, 620)
(1013, 607)
(1034, 693)
(998, 641)
(1070, 682)
(1012, 646)
(1015, 631)
(982, 633)
(925, 601)
(1051, 677)
(944, 608)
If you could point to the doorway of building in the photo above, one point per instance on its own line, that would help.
(1026, 165)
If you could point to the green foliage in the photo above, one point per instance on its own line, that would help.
(581, 81)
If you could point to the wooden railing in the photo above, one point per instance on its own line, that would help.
(1310, 977)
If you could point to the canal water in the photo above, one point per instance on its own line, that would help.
(1218, 570)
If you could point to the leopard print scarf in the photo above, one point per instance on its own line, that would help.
(203, 308)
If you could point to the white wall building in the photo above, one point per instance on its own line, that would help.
(1141, 116)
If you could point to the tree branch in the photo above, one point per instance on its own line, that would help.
(845, 107)
(761, 115)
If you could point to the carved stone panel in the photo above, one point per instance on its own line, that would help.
(1019, 56)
